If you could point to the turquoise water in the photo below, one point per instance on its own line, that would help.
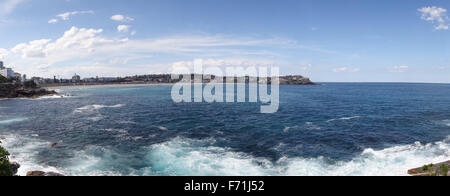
(329, 129)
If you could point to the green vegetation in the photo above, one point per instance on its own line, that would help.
(444, 170)
(4, 80)
(30, 84)
(5, 166)
(426, 168)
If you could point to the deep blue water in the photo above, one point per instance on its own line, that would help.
(328, 129)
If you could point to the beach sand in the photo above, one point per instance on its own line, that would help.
(103, 86)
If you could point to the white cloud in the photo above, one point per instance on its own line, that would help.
(435, 15)
(399, 69)
(53, 21)
(123, 28)
(3, 53)
(33, 49)
(74, 42)
(346, 69)
(121, 18)
(67, 15)
(442, 27)
(340, 69)
(80, 47)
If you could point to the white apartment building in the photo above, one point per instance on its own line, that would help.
(6, 72)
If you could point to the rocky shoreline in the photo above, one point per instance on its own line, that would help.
(439, 169)
(13, 90)
(14, 166)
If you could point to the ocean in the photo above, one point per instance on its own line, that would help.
(329, 129)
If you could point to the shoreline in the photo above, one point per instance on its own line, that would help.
(103, 86)
(127, 85)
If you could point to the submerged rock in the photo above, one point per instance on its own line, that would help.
(41, 173)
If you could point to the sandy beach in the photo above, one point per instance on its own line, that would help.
(103, 86)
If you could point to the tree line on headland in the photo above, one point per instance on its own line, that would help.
(10, 88)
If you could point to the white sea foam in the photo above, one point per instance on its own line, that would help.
(182, 156)
(446, 122)
(52, 97)
(11, 121)
(96, 118)
(24, 151)
(162, 128)
(344, 118)
(191, 157)
(91, 108)
(308, 126)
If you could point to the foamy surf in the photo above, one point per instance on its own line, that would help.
(182, 156)
(11, 121)
(53, 97)
(344, 118)
(25, 151)
(90, 108)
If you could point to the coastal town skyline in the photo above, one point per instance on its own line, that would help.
(404, 44)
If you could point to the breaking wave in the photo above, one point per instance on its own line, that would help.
(344, 118)
(182, 156)
(186, 157)
(91, 108)
(11, 121)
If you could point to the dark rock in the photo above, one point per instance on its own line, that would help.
(13, 90)
(295, 80)
(41, 173)
(14, 167)
(53, 145)
(53, 174)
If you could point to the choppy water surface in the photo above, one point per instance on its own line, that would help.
(329, 129)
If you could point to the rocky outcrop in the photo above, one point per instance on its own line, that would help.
(14, 167)
(295, 80)
(440, 169)
(12, 90)
(41, 173)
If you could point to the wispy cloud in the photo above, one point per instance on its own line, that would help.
(399, 69)
(346, 69)
(67, 15)
(437, 16)
(121, 18)
(89, 47)
(123, 28)
(7, 7)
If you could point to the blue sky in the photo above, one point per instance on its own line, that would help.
(327, 40)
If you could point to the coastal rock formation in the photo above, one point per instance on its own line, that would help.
(14, 167)
(295, 80)
(440, 169)
(12, 90)
(41, 173)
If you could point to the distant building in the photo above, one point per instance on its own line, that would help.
(6, 72)
(76, 79)
(17, 76)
